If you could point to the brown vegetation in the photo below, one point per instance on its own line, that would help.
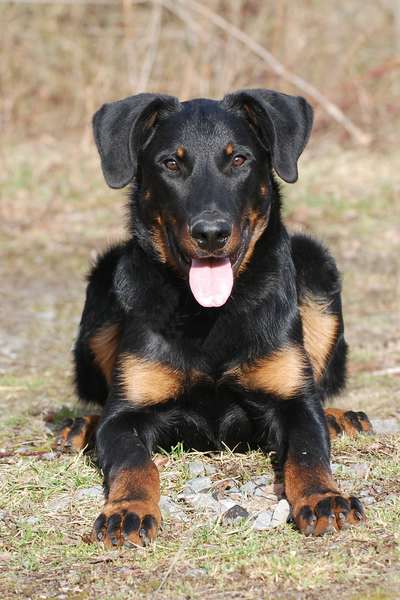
(60, 60)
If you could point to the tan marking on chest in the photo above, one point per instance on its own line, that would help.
(146, 383)
(282, 373)
(320, 330)
(104, 345)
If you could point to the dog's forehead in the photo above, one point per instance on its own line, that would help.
(204, 122)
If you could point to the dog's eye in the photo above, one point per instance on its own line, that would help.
(171, 164)
(238, 160)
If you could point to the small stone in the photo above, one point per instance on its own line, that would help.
(385, 425)
(95, 491)
(31, 520)
(368, 500)
(225, 504)
(205, 502)
(335, 467)
(197, 485)
(262, 480)
(49, 456)
(263, 520)
(210, 469)
(58, 504)
(360, 469)
(248, 488)
(196, 468)
(170, 509)
(281, 513)
(233, 490)
(234, 514)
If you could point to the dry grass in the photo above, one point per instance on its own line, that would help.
(58, 62)
(56, 213)
(61, 60)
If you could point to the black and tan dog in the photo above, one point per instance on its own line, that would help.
(210, 325)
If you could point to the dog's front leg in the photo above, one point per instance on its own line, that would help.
(131, 515)
(317, 504)
(282, 382)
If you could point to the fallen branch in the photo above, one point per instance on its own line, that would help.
(307, 88)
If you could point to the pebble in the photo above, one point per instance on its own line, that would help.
(169, 508)
(49, 456)
(256, 486)
(196, 486)
(368, 500)
(96, 491)
(248, 488)
(385, 425)
(58, 504)
(281, 513)
(263, 520)
(205, 502)
(198, 468)
(234, 514)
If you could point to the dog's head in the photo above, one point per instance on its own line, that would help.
(203, 174)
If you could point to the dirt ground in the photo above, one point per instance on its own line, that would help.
(55, 215)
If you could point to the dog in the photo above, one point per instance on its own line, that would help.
(210, 325)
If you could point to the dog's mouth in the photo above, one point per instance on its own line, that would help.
(211, 277)
(211, 280)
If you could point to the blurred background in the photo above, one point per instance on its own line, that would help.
(60, 60)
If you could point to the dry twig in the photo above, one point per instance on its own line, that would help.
(307, 88)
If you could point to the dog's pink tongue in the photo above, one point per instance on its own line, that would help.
(211, 280)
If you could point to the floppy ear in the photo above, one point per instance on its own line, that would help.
(283, 124)
(120, 130)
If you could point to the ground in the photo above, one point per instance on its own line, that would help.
(55, 215)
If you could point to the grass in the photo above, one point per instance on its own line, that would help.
(54, 218)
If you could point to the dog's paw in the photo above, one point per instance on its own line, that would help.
(127, 523)
(324, 513)
(76, 434)
(347, 421)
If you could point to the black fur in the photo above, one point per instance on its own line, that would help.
(159, 319)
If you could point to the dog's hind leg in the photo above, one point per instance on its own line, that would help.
(77, 434)
(346, 422)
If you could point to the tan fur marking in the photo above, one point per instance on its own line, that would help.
(281, 373)
(258, 224)
(159, 244)
(145, 479)
(147, 195)
(229, 149)
(319, 331)
(180, 152)
(263, 189)
(147, 383)
(104, 345)
(300, 480)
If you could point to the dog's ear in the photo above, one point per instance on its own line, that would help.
(283, 125)
(122, 128)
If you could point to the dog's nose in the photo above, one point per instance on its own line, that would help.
(211, 235)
